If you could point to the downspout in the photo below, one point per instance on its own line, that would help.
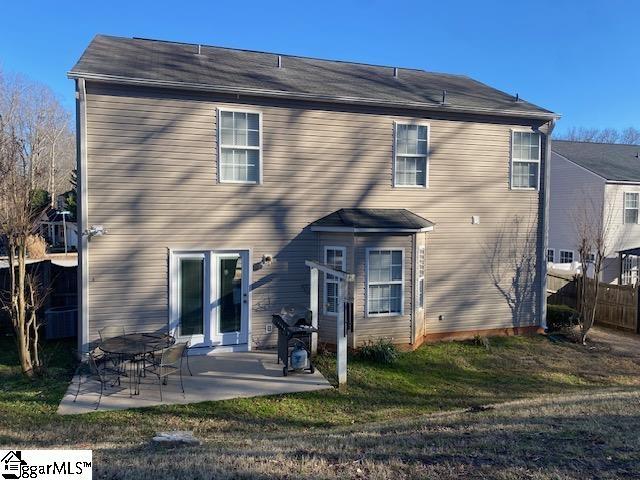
(542, 256)
(414, 279)
(83, 239)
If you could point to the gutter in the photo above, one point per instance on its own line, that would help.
(308, 96)
(545, 226)
(83, 239)
(369, 230)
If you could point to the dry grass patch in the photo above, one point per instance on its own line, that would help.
(387, 422)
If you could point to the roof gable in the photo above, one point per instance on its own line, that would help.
(613, 162)
(161, 63)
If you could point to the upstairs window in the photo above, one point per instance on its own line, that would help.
(525, 160)
(631, 205)
(240, 147)
(411, 149)
(384, 282)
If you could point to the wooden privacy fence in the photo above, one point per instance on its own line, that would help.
(617, 304)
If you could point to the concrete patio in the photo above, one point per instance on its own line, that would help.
(219, 376)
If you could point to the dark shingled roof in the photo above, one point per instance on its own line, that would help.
(610, 161)
(180, 65)
(392, 219)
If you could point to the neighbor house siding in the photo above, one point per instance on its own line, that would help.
(571, 188)
(152, 181)
(620, 235)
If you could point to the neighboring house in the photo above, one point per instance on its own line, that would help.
(604, 178)
(56, 230)
(217, 172)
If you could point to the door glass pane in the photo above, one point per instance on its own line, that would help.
(191, 296)
(230, 294)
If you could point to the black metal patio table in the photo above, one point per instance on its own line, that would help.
(134, 347)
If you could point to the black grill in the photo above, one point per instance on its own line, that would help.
(292, 332)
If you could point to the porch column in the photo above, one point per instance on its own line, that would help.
(313, 300)
(341, 334)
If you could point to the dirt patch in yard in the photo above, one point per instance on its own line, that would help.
(548, 437)
(615, 341)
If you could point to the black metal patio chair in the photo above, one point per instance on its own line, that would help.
(167, 363)
(95, 367)
(106, 333)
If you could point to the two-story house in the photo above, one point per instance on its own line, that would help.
(604, 179)
(216, 173)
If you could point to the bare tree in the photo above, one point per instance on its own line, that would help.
(592, 221)
(511, 264)
(26, 134)
(629, 135)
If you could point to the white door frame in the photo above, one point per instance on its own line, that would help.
(234, 338)
(211, 256)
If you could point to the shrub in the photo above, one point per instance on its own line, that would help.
(481, 341)
(36, 246)
(381, 351)
(561, 317)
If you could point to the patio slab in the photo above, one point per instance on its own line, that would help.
(220, 376)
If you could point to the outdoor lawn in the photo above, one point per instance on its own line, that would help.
(565, 412)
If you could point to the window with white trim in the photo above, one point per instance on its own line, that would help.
(566, 256)
(631, 205)
(384, 282)
(629, 270)
(240, 154)
(551, 255)
(411, 150)
(421, 270)
(525, 160)
(334, 257)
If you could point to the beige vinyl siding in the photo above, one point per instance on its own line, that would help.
(393, 327)
(152, 181)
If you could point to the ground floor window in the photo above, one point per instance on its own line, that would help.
(385, 275)
(334, 257)
(421, 270)
(629, 270)
(566, 256)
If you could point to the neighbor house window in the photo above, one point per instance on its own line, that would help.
(566, 256)
(631, 207)
(411, 149)
(384, 282)
(421, 270)
(525, 160)
(240, 155)
(629, 270)
(334, 257)
(551, 255)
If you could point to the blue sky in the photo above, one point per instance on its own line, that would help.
(577, 58)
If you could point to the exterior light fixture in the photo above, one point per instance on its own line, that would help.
(95, 231)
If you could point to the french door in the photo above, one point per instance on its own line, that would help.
(210, 297)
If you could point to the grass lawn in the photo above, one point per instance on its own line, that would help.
(570, 412)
